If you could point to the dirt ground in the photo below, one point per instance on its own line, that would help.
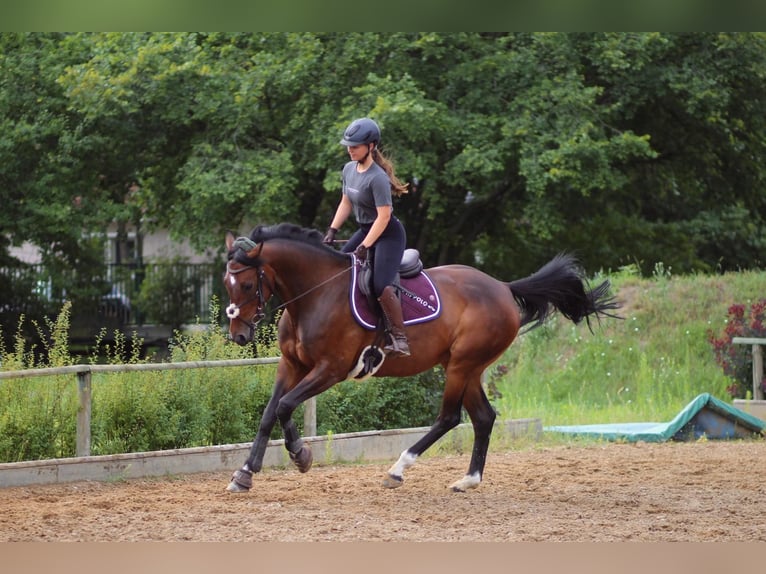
(703, 491)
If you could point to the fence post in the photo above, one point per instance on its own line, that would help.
(310, 417)
(83, 414)
(757, 372)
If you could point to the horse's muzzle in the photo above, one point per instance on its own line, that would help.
(240, 339)
(244, 334)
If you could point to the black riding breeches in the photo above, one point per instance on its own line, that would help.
(386, 253)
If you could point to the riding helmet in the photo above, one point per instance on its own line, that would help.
(361, 131)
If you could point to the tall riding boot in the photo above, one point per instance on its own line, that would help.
(392, 313)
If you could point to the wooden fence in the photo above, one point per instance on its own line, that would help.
(756, 344)
(84, 372)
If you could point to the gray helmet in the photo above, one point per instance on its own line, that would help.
(361, 131)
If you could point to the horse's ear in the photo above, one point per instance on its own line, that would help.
(229, 240)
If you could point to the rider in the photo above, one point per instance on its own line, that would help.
(368, 185)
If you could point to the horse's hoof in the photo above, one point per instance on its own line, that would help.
(468, 482)
(241, 481)
(303, 459)
(236, 488)
(392, 481)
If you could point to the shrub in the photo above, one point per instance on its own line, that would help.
(385, 403)
(166, 296)
(736, 360)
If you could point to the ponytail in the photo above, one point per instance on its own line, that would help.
(397, 187)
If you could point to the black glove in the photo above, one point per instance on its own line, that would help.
(361, 252)
(329, 237)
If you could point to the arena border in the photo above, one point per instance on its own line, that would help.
(367, 446)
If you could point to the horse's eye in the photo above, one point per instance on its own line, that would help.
(247, 286)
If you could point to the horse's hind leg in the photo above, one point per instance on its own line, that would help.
(483, 418)
(449, 417)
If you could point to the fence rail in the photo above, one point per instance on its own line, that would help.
(84, 372)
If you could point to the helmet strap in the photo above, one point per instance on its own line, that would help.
(369, 151)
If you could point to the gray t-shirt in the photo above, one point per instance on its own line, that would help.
(366, 190)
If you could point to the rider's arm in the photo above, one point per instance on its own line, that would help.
(342, 213)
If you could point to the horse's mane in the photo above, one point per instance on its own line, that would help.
(289, 232)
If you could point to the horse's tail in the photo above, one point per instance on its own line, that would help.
(560, 284)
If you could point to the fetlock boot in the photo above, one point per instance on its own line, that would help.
(392, 313)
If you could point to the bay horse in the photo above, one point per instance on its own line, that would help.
(321, 342)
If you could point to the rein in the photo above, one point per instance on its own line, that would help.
(314, 288)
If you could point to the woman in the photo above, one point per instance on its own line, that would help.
(369, 183)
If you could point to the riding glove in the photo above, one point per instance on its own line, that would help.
(329, 237)
(361, 252)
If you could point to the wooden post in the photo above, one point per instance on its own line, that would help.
(310, 417)
(83, 414)
(757, 371)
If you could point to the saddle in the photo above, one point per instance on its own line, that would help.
(410, 266)
(419, 297)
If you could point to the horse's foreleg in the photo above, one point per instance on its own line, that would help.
(313, 384)
(300, 453)
(483, 418)
(242, 480)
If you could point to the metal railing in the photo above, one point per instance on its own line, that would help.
(83, 372)
(33, 289)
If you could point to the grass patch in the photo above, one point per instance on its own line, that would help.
(646, 367)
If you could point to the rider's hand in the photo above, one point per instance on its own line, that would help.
(329, 237)
(361, 252)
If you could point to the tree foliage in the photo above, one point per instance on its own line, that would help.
(622, 147)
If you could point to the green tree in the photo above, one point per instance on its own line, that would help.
(623, 147)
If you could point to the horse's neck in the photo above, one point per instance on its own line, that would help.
(302, 270)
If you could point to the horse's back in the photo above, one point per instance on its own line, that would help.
(464, 281)
(471, 295)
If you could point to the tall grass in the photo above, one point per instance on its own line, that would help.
(38, 420)
(135, 411)
(645, 367)
(158, 410)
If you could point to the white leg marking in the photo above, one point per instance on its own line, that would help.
(467, 482)
(406, 460)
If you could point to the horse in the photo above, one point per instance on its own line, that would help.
(321, 342)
